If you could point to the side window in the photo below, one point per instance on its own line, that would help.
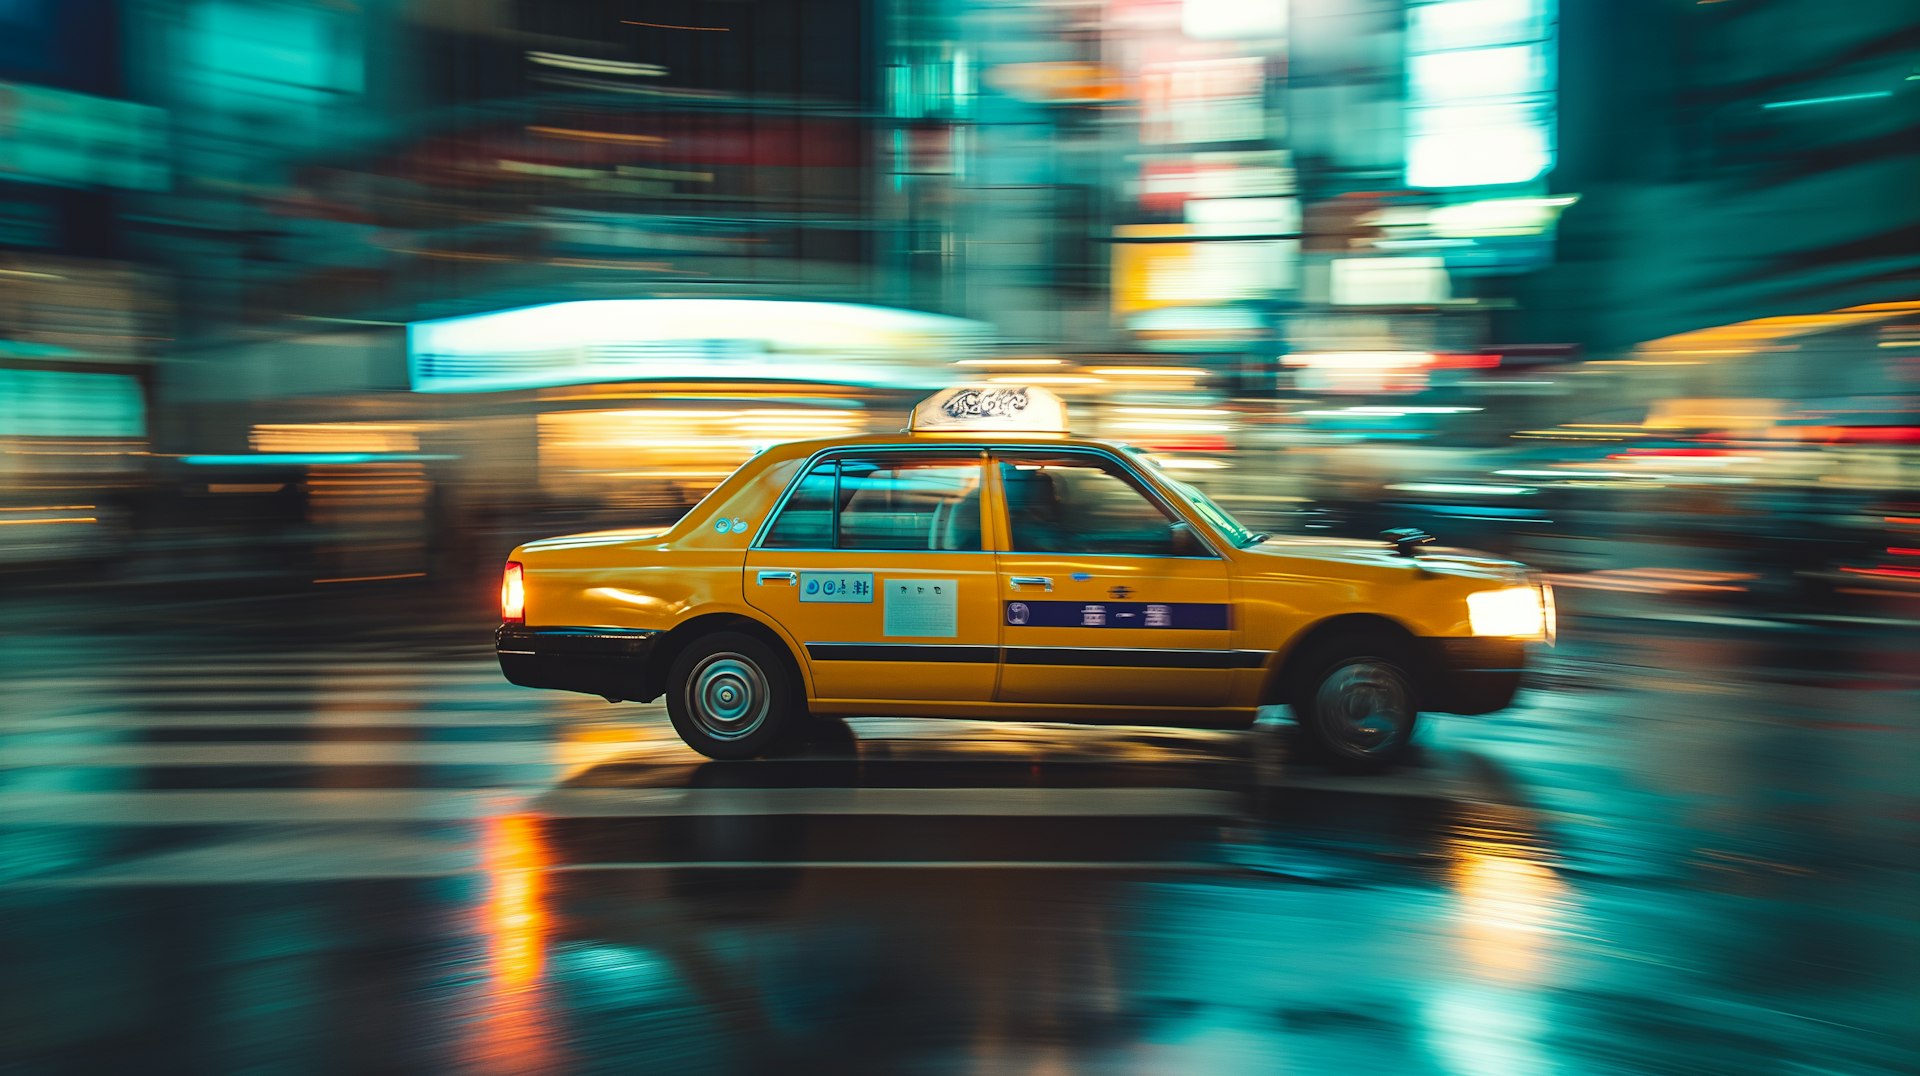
(1086, 504)
(905, 503)
(883, 501)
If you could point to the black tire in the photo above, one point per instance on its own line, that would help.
(732, 697)
(1357, 703)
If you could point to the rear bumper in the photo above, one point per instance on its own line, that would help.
(598, 661)
(1472, 676)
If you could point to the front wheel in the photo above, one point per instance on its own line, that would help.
(730, 697)
(1357, 705)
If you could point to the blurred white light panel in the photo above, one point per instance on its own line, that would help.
(1389, 281)
(1244, 216)
(1480, 92)
(1225, 20)
(1476, 147)
(1509, 71)
(1467, 24)
(642, 339)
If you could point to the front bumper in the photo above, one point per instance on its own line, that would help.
(612, 662)
(1472, 675)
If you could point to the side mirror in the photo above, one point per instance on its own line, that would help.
(1405, 540)
(1182, 542)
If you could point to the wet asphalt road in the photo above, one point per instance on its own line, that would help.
(248, 837)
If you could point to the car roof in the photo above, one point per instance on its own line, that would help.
(908, 439)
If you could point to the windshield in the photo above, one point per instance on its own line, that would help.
(1221, 519)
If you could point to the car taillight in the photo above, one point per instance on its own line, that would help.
(513, 594)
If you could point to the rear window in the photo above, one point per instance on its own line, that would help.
(884, 502)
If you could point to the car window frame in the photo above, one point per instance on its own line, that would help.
(979, 454)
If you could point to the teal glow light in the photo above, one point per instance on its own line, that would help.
(63, 403)
(1834, 100)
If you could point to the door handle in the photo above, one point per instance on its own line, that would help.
(775, 575)
(1042, 581)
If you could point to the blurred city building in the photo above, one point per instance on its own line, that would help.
(352, 291)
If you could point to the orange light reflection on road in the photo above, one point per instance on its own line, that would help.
(516, 920)
(1511, 903)
(514, 1032)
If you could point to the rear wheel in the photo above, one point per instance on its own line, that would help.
(1357, 704)
(730, 696)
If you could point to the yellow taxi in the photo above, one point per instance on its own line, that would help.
(986, 563)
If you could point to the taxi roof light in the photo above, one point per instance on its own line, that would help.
(997, 408)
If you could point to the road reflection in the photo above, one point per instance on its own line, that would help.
(1010, 892)
(516, 1030)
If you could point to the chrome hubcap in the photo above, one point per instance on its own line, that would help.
(1366, 704)
(728, 695)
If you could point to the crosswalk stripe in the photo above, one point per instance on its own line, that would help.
(331, 694)
(199, 807)
(163, 874)
(193, 677)
(312, 753)
(118, 719)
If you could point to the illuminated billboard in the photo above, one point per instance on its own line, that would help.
(1480, 92)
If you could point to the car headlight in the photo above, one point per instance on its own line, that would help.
(1512, 613)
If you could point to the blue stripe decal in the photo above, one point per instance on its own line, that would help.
(1193, 616)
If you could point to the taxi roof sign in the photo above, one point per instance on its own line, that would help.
(990, 408)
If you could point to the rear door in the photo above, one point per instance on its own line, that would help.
(875, 562)
(1107, 595)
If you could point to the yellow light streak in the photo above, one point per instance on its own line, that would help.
(672, 26)
(578, 135)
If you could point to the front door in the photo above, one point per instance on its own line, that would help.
(875, 564)
(1107, 595)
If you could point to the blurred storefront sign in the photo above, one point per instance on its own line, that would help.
(1058, 82)
(1389, 282)
(1203, 99)
(1389, 371)
(1361, 371)
(1232, 20)
(1151, 274)
(1167, 183)
(652, 339)
(1244, 217)
(1200, 328)
(78, 140)
(71, 403)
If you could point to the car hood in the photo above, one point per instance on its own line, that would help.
(1378, 554)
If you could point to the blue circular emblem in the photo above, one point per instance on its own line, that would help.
(720, 525)
(813, 586)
